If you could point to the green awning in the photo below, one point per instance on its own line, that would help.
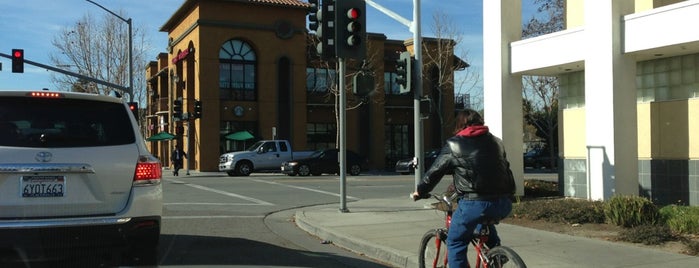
(240, 136)
(161, 136)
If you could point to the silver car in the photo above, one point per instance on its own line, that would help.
(75, 174)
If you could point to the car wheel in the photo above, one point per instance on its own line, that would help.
(244, 168)
(355, 169)
(304, 170)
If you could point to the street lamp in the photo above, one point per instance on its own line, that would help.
(128, 21)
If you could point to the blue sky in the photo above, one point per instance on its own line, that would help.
(32, 25)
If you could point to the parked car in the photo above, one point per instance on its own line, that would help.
(324, 161)
(407, 165)
(264, 155)
(75, 174)
(538, 158)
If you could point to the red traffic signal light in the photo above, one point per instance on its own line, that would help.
(349, 29)
(133, 106)
(18, 60)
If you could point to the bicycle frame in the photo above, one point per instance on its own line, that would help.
(479, 240)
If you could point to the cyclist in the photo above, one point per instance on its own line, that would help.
(482, 178)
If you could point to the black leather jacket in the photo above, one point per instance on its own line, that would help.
(479, 163)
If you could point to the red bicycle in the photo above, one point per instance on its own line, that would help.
(433, 249)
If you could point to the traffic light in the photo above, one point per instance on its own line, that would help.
(133, 106)
(177, 109)
(179, 130)
(197, 109)
(313, 15)
(362, 84)
(350, 31)
(425, 108)
(326, 30)
(404, 72)
(18, 60)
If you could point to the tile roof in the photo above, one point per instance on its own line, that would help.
(297, 3)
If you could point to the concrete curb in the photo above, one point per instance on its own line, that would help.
(393, 257)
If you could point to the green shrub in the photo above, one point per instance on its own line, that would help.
(560, 210)
(681, 219)
(647, 234)
(630, 211)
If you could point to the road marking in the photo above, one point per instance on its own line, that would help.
(210, 217)
(301, 188)
(210, 204)
(254, 200)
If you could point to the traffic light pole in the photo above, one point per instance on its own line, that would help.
(417, 90)
(343, 136)
(80, 76)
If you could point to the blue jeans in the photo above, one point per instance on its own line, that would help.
(465, 220)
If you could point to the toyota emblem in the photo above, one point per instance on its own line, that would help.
(43, 157)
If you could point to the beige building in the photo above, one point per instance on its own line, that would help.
(251, 66)
(629, 107)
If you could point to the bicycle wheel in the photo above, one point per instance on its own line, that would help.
(504, 257)
(433, 249)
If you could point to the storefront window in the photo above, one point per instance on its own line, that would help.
(237, 71)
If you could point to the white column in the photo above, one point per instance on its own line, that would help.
(610, 102)
(502, 91)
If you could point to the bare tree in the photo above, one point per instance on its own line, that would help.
(99, 49)
(332, 84)
(541, 92)
(440, 57)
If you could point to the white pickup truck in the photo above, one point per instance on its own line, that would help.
(264, 155)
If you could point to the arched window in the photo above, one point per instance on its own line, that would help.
(237, 71)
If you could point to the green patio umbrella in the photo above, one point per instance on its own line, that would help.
(240, 136)
(161, 136)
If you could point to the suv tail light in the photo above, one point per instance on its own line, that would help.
(148, 172)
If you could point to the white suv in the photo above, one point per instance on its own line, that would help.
(75, 174)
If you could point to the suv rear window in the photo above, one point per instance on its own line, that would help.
(55, 123)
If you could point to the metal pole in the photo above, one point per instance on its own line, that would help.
(130, 47)
(189, 146)
(131, 64)
(417, 90)
(343, 137)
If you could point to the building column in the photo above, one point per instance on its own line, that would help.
(610, 102)
(502, 91)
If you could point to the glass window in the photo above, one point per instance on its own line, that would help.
(55, 123)
(390, 85)
(319, 80)
(237, 67)
(320, 135)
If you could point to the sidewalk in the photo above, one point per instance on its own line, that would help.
(390, 230)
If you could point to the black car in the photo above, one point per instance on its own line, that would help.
(324, 161)
(407, 166)
(538, 159)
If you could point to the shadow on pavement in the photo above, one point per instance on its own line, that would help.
(214, 251)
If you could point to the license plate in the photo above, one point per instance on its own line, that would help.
(43, 186)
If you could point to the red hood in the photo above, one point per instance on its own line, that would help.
(472, 131)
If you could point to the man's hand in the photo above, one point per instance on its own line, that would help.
(416, 196)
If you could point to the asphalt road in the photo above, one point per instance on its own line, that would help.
(212, 220)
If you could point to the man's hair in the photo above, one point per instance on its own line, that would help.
(466, 118)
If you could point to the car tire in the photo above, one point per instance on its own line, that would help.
(304, 170)
(355, 170)
(243, 168)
